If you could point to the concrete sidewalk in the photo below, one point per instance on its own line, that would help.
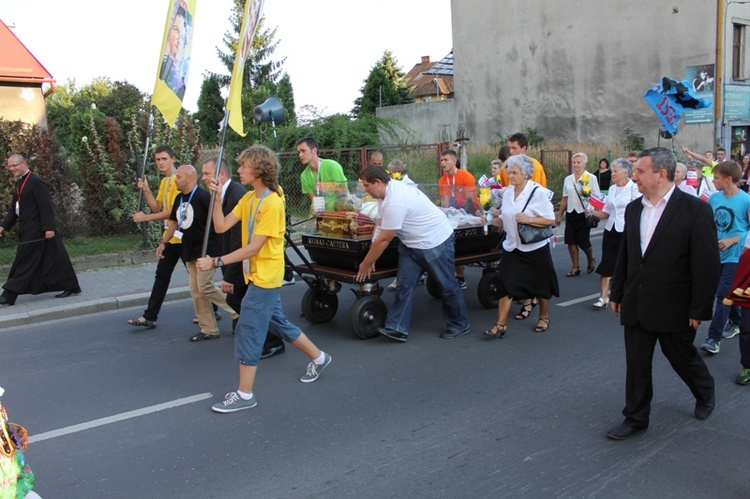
(103, 289)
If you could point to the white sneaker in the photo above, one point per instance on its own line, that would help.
(601, 303)
(392, 286)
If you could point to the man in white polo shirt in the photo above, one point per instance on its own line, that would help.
(426, 244)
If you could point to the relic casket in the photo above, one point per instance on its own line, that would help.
(343, 239)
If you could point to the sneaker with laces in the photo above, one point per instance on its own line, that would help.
(711, 346)
(461, 282)
(730, 330)
(314, 370)
(743, 378)
(233, 403)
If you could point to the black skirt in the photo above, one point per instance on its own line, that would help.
(576, 230)
(610, 247)
(528, 274)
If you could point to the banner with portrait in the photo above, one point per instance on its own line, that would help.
(174, 59)
(250, 19)
(701, 80)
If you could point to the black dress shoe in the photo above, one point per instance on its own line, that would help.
(5, 301)
(703, 411)
(623, 431)
(272, 351)
(69, 292)
(393, 334)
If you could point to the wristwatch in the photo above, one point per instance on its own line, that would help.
(219, 262)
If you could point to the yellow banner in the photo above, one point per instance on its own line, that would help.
(174, 59)
(244, 45)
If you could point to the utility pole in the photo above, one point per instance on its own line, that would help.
(719, 74)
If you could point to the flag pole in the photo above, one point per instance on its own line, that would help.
(224, 122)
(142, 172)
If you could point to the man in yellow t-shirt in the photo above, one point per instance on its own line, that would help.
(262, 215)
(161, 207)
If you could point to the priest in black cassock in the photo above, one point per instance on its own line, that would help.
(42, 263)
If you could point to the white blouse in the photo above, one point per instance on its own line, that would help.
(539, 206)
(572, 189)
(617, 199)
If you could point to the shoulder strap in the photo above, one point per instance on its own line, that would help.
(530, 196)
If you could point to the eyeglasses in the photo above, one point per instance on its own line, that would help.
(17, 164)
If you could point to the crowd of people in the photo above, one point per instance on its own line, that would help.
(661, 273)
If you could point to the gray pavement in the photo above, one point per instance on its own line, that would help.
(104, 289)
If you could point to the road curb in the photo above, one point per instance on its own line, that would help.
(87, 307)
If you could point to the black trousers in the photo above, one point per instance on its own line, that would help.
(164, 268)
(684, 358)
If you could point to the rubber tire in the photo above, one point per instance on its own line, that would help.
(319, 306)
(366, 315)
(488, 289)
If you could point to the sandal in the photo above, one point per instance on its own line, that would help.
(592, 265)
(142, 322)
(526, 309)
(601, 303)
(575, 271)
(496, 331)
(541, 329)
(203, 337)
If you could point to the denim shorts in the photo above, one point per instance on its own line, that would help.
(261, 313)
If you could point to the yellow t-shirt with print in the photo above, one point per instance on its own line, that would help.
(167, 193)
(267, 267)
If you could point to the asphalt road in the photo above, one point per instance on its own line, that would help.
(118, 412)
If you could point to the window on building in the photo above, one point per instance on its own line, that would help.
(739, 47)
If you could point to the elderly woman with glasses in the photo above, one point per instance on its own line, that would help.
(526, 270)
(621, 192)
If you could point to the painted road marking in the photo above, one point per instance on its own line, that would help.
(118, 417)
(577, 300)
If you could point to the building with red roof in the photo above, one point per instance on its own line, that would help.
(24, 82)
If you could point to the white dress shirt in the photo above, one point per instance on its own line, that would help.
(650, 218)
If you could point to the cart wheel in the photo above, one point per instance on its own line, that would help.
(433, 287)
(366, 316)
(488, 289)
(319, 306)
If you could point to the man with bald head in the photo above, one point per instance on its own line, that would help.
(187, 222)
(41, 264)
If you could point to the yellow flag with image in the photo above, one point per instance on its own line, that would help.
(174, 59)
(250, 19)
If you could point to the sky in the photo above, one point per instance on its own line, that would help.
(330, 45)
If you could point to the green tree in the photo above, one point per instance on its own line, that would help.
(386, 85)
(210, 111)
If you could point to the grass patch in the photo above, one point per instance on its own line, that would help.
(81, 246)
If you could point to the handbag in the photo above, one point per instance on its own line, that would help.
(592, 222)
(529, 233)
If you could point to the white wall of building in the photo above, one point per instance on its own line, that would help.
(575, 70)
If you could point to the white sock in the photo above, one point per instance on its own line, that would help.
(245, 396)
(319, 361)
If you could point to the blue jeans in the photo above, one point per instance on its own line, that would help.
(723, 312)
(261, 313)
(439, 262)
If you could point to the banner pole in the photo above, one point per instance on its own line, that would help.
(216, 178)
(142, 172)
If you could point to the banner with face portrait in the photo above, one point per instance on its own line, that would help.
(250, 19)
(174, 59)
